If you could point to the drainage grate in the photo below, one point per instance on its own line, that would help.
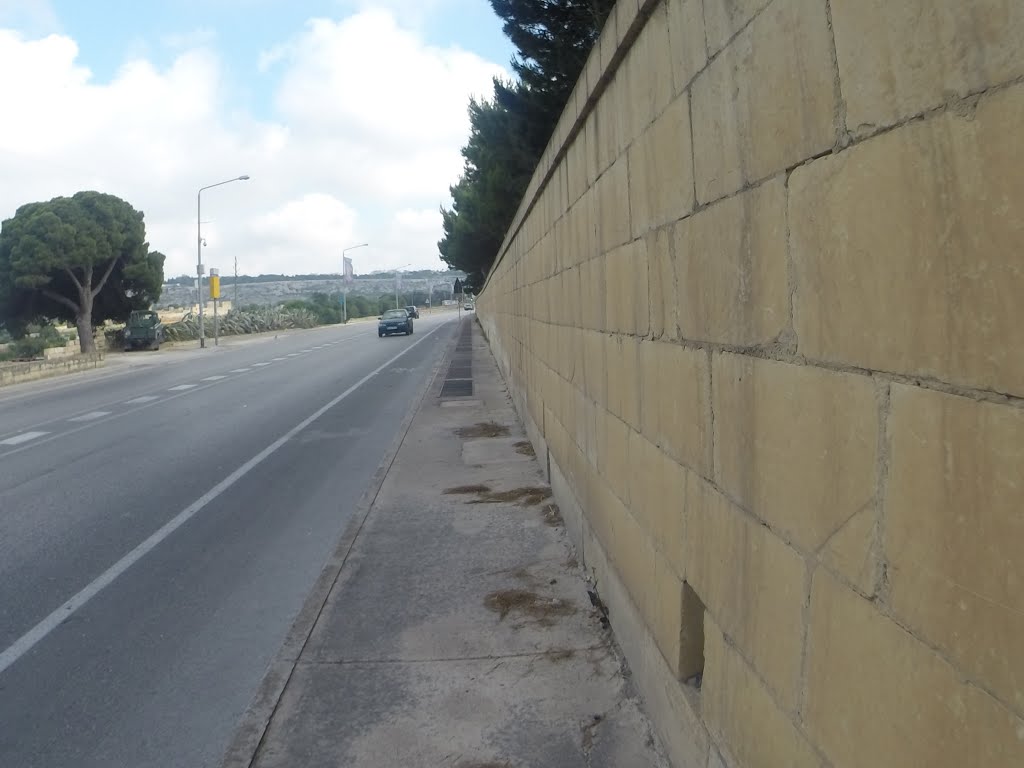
(457, 388)
(459, 381)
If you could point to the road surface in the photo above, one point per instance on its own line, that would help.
(162, 521)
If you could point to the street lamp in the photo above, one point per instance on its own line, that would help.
(199, 250)
(344, 279)
(397, 305)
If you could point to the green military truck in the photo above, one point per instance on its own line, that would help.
(143, 331)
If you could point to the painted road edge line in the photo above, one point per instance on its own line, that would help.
(30, 639)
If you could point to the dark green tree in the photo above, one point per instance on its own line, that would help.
(82, 259)
(509, 133)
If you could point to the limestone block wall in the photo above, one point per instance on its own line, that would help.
(763, 310)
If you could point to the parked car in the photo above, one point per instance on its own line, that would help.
(468, 305)
(413, 312)
(394, 321)
(143, 330)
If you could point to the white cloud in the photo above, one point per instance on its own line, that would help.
(362, 144)
(36, 17)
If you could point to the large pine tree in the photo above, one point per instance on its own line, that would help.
(509, 133)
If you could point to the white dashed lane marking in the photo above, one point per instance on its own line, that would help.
(91, 416)
(292, 354)
(279, 359)
(214, 378)
(24, 437)
(182, 387)
(260, 365)
(141, 400)
(241, 370)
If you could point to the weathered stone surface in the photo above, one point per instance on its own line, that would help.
(623, 356)
(767, 102)
(897, 60)
(613, 206)
(626, 294)
(676, 402)
(751, 583)
(879, 698)
(686, 40)
(851, 552)
(740, 711)
(661, 170)
(660, 497)
(906, 250)
(614, 461)
(955, 532)
(731, 269)
(724, 18)
(661, 284)
(648, 68)
(795, 445)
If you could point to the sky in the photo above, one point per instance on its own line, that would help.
(347, 115)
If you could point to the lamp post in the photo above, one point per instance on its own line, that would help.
(397, 305)
(199, 250)
(344, 279)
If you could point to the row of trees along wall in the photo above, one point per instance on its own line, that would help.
(761, 307)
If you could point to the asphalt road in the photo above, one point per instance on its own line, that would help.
(162, 521)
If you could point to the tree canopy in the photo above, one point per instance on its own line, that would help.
(83, 259)
(508, 134)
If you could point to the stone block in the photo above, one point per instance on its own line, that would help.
(594, 382)
(906, 249)
(795, 445)
(954, 532)
(851, 552)
(633, 557)
(576, 167)
(648, 69)
(879, 698)
(731, 269)
(614, 461)
(752, 584)
(767, 102)
(740, 711)
(724, 18)
(661, 170)
(613, 206)
(623, 356)
(658, 498)
(592, 294)
(897, 60)
(664, 612)
(626, 295)
(675, 404)
(661, 284)
(686, 40)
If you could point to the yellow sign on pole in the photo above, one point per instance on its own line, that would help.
(214, 286)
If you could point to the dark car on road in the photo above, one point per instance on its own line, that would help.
(394, 321)
(413, 312)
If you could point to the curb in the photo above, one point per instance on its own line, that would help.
(252, 728)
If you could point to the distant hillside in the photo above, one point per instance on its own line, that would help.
(259, 290)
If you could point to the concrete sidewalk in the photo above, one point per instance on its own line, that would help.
(453, 626)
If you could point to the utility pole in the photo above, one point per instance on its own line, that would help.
(234, 301)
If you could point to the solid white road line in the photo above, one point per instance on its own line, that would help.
(26, 642)
(91, 416)
(24, 437)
